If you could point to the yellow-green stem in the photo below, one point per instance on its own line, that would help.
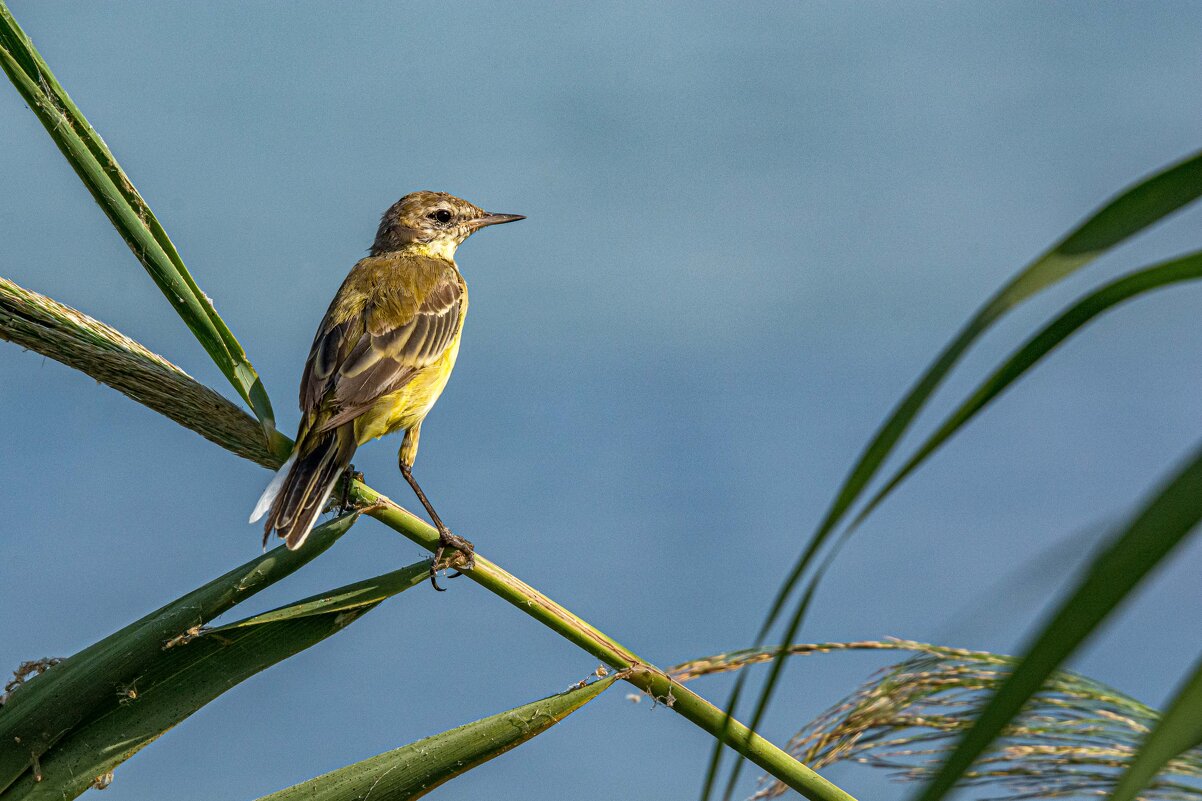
(639, 672)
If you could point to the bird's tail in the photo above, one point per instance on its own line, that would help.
(296, 496)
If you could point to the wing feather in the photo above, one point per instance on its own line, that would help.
(397, 332)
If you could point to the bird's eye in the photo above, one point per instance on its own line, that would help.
(442, 216)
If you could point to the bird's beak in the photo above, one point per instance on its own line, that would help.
(496, 219)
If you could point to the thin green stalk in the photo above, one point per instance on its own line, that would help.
(642, 674)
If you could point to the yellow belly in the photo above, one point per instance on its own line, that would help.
(408, 406)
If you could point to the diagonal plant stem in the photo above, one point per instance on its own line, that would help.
(642, 674)
(68, 336)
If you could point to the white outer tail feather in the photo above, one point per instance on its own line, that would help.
(273, 489)
(292, 546)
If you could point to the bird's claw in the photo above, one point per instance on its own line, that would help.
(466, 553)
(351, 475)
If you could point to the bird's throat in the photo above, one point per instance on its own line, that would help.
(443, 248)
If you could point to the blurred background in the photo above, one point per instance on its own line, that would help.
(749, 231)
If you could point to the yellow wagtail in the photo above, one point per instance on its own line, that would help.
(381, 357)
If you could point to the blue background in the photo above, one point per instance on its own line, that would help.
(750, 228)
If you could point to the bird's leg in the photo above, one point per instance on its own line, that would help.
(446, 539)
(405, 459)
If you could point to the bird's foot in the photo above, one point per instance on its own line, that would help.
(351, 475)
(464, 560)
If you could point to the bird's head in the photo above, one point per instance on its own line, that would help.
(432, 221)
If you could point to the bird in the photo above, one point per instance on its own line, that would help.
(380, 359)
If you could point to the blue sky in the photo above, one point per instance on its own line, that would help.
(749, 230)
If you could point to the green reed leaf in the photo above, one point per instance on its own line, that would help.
(417, 768)
(1178, 730)
(1050, 337)
(40, 714)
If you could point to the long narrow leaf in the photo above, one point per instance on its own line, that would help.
(60, 332)
(190, 672)
(1133, 210)
(1162, 524)
(91, 159)
(1127, 214)
(417, 768)
(1178, 730)
(41, 712)
(1185, 268)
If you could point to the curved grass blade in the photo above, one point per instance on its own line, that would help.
(1127, 214)
(51, 706)
(37, 323)
(776, 670)
(1161, 525)
(1133, 210)
(417, 768)
(190, 672)
(1178, 730)
(1184, 268)
(95, 165)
